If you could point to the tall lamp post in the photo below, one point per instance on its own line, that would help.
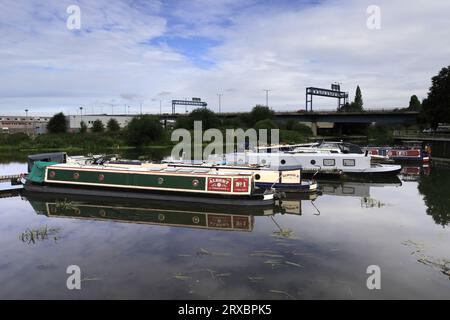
(26, 120)
(220, 101)
(267, 96)
(81, 115)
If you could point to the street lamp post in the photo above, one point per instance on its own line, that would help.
(267, 96)
(26, 120)
(220, 101)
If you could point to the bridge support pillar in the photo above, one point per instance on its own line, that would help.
(314, 128)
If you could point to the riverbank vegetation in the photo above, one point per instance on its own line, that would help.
(147, 131)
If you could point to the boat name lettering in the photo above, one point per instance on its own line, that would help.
(219, 184)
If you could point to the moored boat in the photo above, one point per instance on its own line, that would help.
(314, 163)
(409, 151)
(190, 184)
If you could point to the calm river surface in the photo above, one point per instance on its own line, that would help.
(303, 249)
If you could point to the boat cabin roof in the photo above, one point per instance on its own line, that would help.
(162, 169)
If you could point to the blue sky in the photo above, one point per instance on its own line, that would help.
(129, 52)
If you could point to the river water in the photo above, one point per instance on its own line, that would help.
(306, 248)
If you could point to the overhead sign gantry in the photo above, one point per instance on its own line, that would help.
(335, 92)
(194, 102)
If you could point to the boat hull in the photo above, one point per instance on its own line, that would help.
(289, 187)
(256, 199)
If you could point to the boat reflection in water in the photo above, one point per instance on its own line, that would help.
(216, 217)
(357, 188)
(412, 173)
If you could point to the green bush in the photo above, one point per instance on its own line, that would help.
(143, 130)
(208, 118)
(265, 124)
(57, 123)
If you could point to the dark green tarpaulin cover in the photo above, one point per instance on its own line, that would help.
(37, 173)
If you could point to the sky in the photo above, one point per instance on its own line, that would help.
(133, 52)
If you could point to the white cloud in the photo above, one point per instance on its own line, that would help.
(47, 67)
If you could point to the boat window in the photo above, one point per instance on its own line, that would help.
(257, 176)
(348, 162)
(313, 161)
(283, 161)
(329, 162)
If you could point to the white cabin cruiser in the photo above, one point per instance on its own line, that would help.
(331, 163)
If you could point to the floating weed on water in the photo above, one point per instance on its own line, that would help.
(274, 263)
(265, 254)
(285, 233)
(210, 253)
(218, 239)
(91, 279)
(302, 253)
(181, 276)
(31, 236)
(368, 202)
(293, 264)
(223, 274)
(256, 279)
(282, 243)
(441, 265)
(284, 293)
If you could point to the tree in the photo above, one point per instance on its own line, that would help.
(414, 104)
(349, 107)
(301, 128)
(208, 118)
(113, 125)
(259, 113)
(144, 129)
(265, 124)
(436, 107)
(358, 103)
(83, 127)
(98, 126)
(57, 123)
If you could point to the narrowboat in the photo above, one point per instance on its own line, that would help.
(157, 183)
(409, 151)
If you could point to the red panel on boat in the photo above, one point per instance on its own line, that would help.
(240, 185)
(404, 153)
(219, 184)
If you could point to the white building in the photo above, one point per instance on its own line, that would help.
(74, 121)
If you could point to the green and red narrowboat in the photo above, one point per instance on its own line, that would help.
(177, 184)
